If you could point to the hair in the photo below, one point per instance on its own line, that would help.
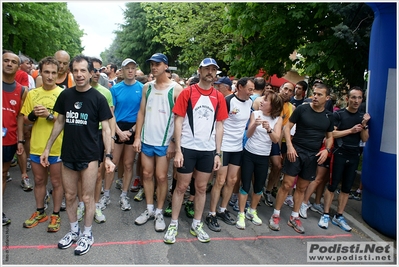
(113, 66)
(24, 58)
(243, 82)
(322, 86)
(94, 59)
(80, 58)
(11, 52)
(48, 61)
(276, 103)
(260, 83)
(143, 79)
(303, 84)
(357, 88)
(194, 80)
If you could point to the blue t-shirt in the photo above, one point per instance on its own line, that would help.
(126, 99)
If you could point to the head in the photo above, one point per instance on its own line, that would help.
(193, 80)
(63, 59)
(48, 67)
(300, 89)
(159, 63)
(111, 69)
(223, 85)
(139, 73)
(142, 78)
(26, 64)
(321, 93)
(271, 103)
(11, 64)
(81, 68)
(354, 98)
(260, 84)
(129, 68)
(176, 77)
(245, 88)
(207, 70)
(168, 74)
(119, 74)
(150, 77)
(268, 86)
(287, 91)
(96, 70)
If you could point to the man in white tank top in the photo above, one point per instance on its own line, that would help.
(154, 132)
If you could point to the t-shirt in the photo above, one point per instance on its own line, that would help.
(126, 99)
(42, 128)
(12, 101)
(158, 124)
(343, 120)
(200, 109)
(83, 112)
(234, 126)
(106, 93)
(22, 78)
(296, 102)
(311, 127)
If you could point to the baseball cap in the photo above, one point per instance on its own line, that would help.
(225, 80)
(127, 61)
(159, 57)
(208, 61)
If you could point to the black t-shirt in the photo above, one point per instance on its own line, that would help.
(83, 111)
(311, 127)
(343, 120)
(296, 102)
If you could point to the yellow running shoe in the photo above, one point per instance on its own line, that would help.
(35, 219)
(55, 223)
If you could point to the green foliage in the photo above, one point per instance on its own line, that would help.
(40, 29)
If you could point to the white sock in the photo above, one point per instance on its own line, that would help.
(150, 208)
(87, 230)
(75, 227)
(158, 211)
(294, 214)
(195, 223)
(276, 212)
(174, 222)
(221, 209)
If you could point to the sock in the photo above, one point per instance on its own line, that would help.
(87, 230)
(294, 214)
(276, 212)
(221, 209)
(251, 210)
(212, 213)
(150, 208)
(124, 194)
(158, 211)
(40, 210)
(338, 215)
(106, 193)
(326, 215)
(56, 213)
(75, 227)
(174, 222)
(195, 223)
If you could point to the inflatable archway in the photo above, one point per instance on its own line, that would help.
(379, 160)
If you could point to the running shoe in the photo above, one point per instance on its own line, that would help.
(233, 200)
(35, 219)
(68, 240)
(168, 211)
(274, 223)
(237, 208)
(212, 223)
(104, 202)
(26, 185)
(226, 217)
(341, 222)
(84, 244)
(170, 235)
(135, 185)
(323, 222)
(240, 224)
(63, 204)
(99, 217)
(28, 165)
(199, 232)
(124, 203)
(289, 201)
(119, 183)
(317, 208)
(189, 208)
(80, 212)
(355, 195)
(14, 161)
(6, 220)
(140, 195)
(296, 224)
(9, 179)
(159, 223)
(252, 215)
(55, 223)
(303, 211)
(268, 199)
(144, 217)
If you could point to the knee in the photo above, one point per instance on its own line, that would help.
(231, 181)
(162, 179)
(287, 185)
(220, 181)
(200, 189)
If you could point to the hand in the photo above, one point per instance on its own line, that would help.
(357, 128)
(41, 111)
(216, 163)
(179, 160)
(366, 118)
(44, 158)
(109, 165)
(171, 151)
(323, 155)
(291, 154)
(137, 145)
(258, 121)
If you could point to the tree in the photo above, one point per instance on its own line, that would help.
(40, 29)
(332, 39)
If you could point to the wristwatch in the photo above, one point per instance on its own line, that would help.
(109, 156)
(271, 130)
(365, 127)
(328, 150)
(114, 137)
(131, 130)
(50, 117)
(218, 154)
(21, 142)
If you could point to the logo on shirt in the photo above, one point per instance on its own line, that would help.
(235, 111)
(13, 102)
(78, 105)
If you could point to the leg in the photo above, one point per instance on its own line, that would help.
(217, 187)
(282, 193)
(162, 180)
(148, 165)
(56, 183)
(183, 180)
(70, 184)
(232, 178)
(89, 177)
(128, 160)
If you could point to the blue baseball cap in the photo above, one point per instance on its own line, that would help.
(159, 57)
(208, 61)
(225, 80)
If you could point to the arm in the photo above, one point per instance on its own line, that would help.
(170, 153)
(112, 123)
(364, 134)
(218, 139)
(39, 81)
(57, 128)
(20, 124)
(255, 104)
(323, 154)
(291, 152)
(178, 161)
(106, 132)
(140, 120)
(275, 133)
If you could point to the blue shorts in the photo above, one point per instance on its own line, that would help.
(51, 159)
(151, 151)
(9, 152)
(275, 150)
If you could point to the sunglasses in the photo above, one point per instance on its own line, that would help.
(96, 70)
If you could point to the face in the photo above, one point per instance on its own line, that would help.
(96, 72)
(63, 59)
(298, 90)
(10, 63)
(108, 69)
(49, 74)
(26, 66)
(265, 105)
(81, 73)
(269, 87)
(129, 71)
(150, 77)
(319, 97)
(208, 73)
(354, 99)
(244, 92)
(119, 74)
(158, 68)
(287, 91)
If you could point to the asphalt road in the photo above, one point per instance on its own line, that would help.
(120, 242)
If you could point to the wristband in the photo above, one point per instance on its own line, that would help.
(21, 142)
(218, 154)
(32, 116)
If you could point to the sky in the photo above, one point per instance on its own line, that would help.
(98, 20)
